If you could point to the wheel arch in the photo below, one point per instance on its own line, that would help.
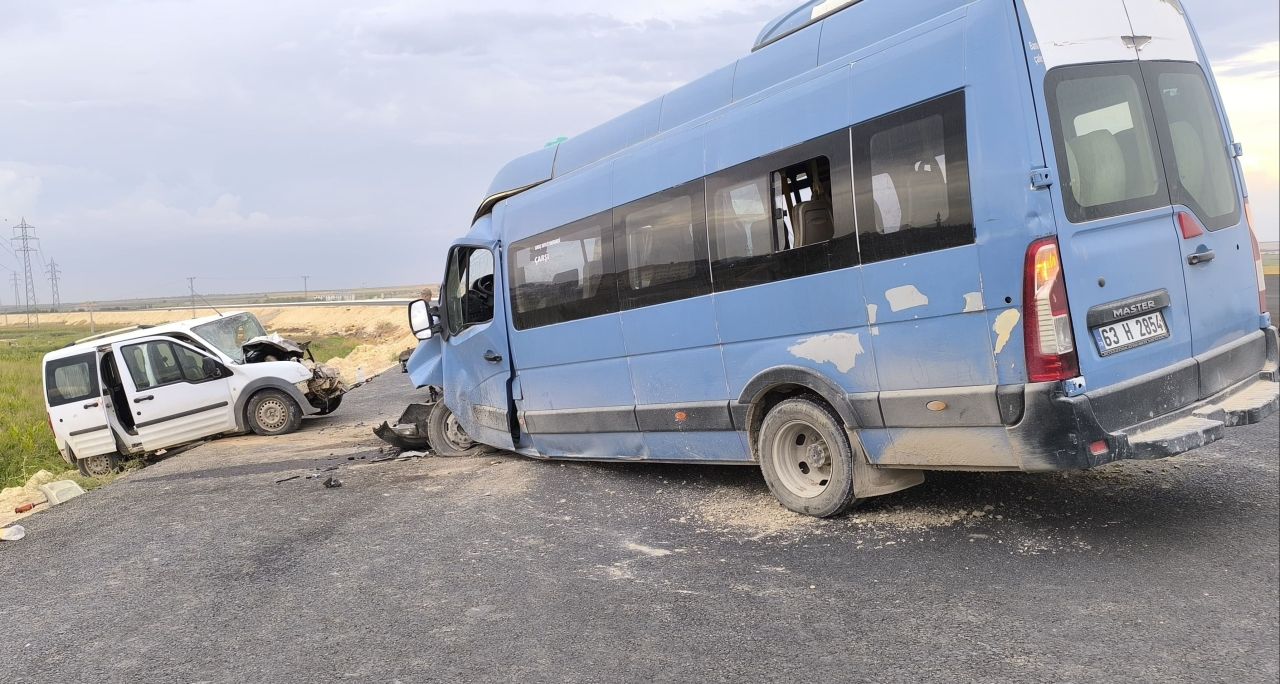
(768, 388)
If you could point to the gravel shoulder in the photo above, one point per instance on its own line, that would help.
(499, 568)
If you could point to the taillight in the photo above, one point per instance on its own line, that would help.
(1051, 348)
(1257, 259)
(1189, 226)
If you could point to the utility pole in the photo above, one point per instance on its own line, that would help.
(24, 240)
(93, 328)
(17, 291)
(305, 290)
(54, 276)
(191, 285)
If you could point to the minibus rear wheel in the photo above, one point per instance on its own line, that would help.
(806, 458)
(446, 436)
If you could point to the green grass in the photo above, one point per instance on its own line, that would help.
(329, 348)
(26, 442)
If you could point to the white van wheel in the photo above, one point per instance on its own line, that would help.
(806, 458)
(272, 412)
(99, 466)
(446, 436)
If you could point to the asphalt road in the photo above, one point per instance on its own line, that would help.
(497, 568)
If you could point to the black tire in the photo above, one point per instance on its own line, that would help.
(99, 466)
(447, 438)
(806, 458)
(272, 413)
(327, 407)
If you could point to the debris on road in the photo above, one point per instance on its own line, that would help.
(288, 479)
(13, 533)
(332, 483)
(61, 491)
(28, 506)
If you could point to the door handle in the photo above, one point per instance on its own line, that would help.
(491, 357)
(149, 397)
(92, 404)
(1201, 257)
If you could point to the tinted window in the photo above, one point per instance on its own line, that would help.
(469, 288)
(71, 379)
(564, 275)
(159, 363)
(782, 216)
(911, 171)
(1195, 149)
(661, 248)
(1103, 135)
(135, 359)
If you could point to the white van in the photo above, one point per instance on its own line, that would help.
(140, 390)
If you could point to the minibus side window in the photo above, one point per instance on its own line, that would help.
(469, 288)
(661, 248)
(783, 216)
(911, 174)
(71, 379)
(564, 275)
(1105, 143)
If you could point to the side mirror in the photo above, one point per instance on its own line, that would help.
(423, 319)
(213, 370)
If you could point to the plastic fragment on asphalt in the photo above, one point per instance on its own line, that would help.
(61, 491)
(13, 533)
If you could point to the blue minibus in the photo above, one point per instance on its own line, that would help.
(895, 237)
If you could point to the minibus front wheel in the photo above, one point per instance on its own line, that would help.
(446, 435)
(806, 458)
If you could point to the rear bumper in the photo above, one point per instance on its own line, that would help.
(1237, 385)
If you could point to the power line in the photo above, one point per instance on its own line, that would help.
(24, 239)
(54, 276)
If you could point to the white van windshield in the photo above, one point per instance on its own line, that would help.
(229, 334)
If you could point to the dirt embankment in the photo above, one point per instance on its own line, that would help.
(381, 331)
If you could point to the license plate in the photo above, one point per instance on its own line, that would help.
(1127, 334)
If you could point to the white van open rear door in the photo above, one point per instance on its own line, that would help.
(77, 410)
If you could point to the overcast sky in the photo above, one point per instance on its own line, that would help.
(248, 143)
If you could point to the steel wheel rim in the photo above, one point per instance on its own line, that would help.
(802, 459)
(272, 414)
(455, 435)
(98, 466)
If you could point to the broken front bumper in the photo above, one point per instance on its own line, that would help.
(1135, 420)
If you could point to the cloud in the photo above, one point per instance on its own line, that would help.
(223, 137)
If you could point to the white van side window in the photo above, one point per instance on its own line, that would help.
(71, 379)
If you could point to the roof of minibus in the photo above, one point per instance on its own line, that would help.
(152, 331)
(790, 45)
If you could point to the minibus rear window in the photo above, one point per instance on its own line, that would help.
(1197, 165)
(1107, 149)
(71, 379)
